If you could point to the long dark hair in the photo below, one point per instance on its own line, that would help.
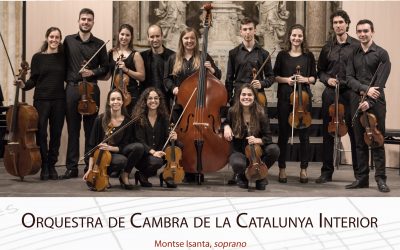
(236, 114)
(45, 45)
(141, 110)
(288, 44)
(107, 113)
(130, 28)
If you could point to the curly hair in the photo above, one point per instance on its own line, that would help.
(141, 110)
(236, 114)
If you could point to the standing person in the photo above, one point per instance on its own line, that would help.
(247, 112)
(295, 54)
(243, 59)
(156, 61)
(132, 64)
(78, 48)
(114, 118)
(47, 77)
(332, 71)
(184, 63)
(152, 131)
(360, 69)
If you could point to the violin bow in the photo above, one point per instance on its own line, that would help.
(86, 64)
(336, 140)
(8, 57)
(180, 118)
(263, 65)
(364, 96)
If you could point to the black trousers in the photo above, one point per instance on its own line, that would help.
(74, 120)
(51, 114)
(118, 163)
(134, 153)
(328, 98)
(379, 110)
(284, 109)
(239, 162)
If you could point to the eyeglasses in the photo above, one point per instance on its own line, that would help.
(363, 31)
(153, 98)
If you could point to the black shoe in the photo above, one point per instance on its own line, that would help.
(169, 183)
(282, 177)
(53, 175)
(44, 174)
(358, 184)
(260, 184)
(233, 181)
(323, 179)
(70, 173)
(383, 187)
(242, 181)
(143, 180)
(124, 185)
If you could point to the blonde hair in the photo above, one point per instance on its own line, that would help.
(181, 52)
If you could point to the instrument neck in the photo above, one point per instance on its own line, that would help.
(203, 71)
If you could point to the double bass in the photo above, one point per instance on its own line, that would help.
(22, 155)
(199, 128)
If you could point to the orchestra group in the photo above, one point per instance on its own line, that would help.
(142, 109)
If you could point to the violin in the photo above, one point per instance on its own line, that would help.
(372, 136)
(97, 179)
(121, 82)
(173, 171)
(199, 129)
(337, 125)
(257, 170)
(86, 105)
(261, 98)
(300, 117)
(22, 155)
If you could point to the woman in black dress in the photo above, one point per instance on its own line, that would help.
(295, 54)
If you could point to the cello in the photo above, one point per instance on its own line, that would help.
(199, 129)
(257, 170)
(21, 154)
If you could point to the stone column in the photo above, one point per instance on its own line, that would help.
(316, 37)
(127, 12)
(11, 30)
(224, 32)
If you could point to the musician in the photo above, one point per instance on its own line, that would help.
(47, 77)
(184, 63)
(156, 61)
(131, 65)
(114, 117)
(360, 69)
(331, 64)
(248, 112)
(78, 48)
(243, 58)
(152, 130)
(296, 53)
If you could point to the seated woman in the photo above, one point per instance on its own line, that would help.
(243, 115)
(114, 117)
(151, 130)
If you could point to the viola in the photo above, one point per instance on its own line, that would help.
(199, 128)
(337, 125)
(97, 179)
(173, 171)
(121, 81)
(372, 136)
(86, 105)
(22, 155)
(300, 117)
(257, 170)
